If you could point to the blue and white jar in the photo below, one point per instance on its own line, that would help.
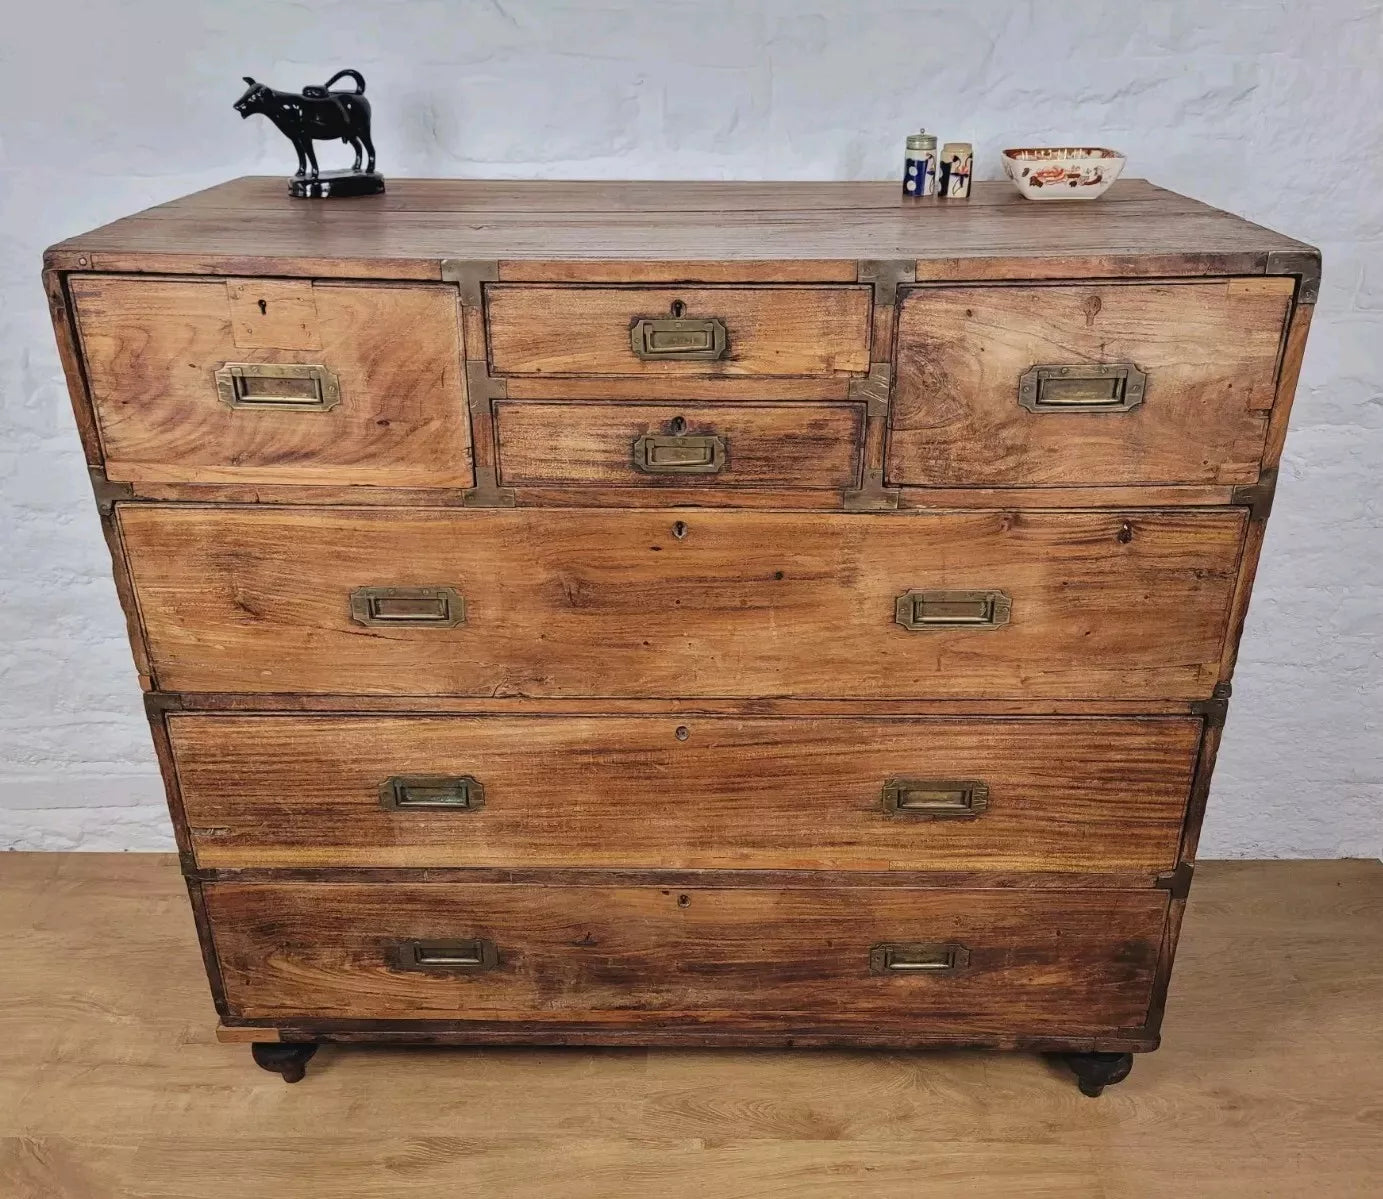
(919, 165)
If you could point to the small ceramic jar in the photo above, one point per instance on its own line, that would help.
(953, 171)
(919, 165)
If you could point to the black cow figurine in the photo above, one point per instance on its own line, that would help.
(320, 114)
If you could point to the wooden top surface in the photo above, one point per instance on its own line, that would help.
(250, 225)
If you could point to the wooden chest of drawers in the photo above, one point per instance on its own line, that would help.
(730, 614)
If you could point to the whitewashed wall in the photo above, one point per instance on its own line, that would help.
(1271, 109)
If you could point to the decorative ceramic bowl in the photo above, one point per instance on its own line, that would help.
(1063, 172)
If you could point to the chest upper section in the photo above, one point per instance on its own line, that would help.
(1039, 359)
(701, 388)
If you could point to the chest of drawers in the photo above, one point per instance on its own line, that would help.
(685, 614)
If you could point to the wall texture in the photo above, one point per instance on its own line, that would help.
(1273, 109)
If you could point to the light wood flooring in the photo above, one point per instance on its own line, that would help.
(1269, 1082)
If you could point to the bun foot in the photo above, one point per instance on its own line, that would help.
(290, 1060)
(1095, 1071)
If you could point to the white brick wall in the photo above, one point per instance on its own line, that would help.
(1272, 108)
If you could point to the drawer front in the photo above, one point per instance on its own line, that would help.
(686, 445)
(705, 331)
(990, 961)
(684, 602)
(1086, 384)
(275, 381)
(687, 792)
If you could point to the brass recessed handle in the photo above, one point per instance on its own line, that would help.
(453, 957)
(952, 609)
(412, 792)
(689, 455)
(1085, 387)
(406, 607)
(917, 959)
(282, 386)
(679, 338)
(935, 799)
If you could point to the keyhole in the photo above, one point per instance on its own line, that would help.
(678, 308)
(264, 308)
(679, 529)
(677, 425)
(1125, 534)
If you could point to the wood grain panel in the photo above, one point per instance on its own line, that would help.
(1077, 962)
(685, 792)
(1209, 351)
(685, 603)
(152, 348)
(538, 330)
(784, 445)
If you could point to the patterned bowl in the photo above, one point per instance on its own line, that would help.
(1063, 172)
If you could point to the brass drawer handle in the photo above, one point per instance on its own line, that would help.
(952, 609)
(690, 455)
(1117, 387)
(678, 338)
(454, 957)
(410, 792)
(915, 959)
(283, 386)
(935, 799)
(424, 607)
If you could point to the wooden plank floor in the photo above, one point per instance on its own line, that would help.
(1270, 1081)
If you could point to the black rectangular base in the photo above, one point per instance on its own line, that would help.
(332, 185)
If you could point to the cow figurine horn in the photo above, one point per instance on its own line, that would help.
(320, 114)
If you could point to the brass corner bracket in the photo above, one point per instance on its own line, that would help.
(1257, 497)
(1178, 881)
(872, 390)
(887, 275)
(470, 278)
(488, 494)
(107, 494)
(1305, 264)
(1216, 708)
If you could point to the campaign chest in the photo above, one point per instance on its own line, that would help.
(685, 614)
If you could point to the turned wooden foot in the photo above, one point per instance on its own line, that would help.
(286, 1059)
(1095, 1071)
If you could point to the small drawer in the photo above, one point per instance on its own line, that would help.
(275, 381)
(684, 603)
(686, 792)
(899, 959)
(706, 331)
(1085, 384)
(680, 445)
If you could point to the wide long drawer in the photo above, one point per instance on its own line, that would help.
(693, 792)
(987, 961)
(688, 603)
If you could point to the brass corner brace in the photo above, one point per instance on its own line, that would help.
(887, 275)
(872, 389)
(470, 278)
(1178, 881)
(1257, 497)
(1216, 708)
(107, 494)
(1305, 264)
